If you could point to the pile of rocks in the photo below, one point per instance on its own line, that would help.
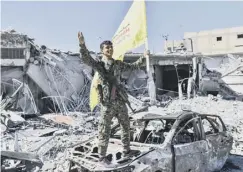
(46, 137)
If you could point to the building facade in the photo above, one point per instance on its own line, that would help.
(210, 42)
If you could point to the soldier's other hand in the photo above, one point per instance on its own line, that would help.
(81, 38)
(146, 53)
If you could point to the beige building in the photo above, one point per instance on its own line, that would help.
(210, 42)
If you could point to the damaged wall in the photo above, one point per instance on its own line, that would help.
(51, 74)
(168, 71)
(225, 78)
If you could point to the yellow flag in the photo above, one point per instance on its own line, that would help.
(131, 34)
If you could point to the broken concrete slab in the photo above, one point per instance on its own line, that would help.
(20, 156)
(13, 116)
(48, 166)
(30, 132)
(45, 148)
(60, 132)
(11, 119)
(59, 119)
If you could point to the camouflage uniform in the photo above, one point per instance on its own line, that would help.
(112, 104)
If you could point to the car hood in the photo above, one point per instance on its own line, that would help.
(86, 155)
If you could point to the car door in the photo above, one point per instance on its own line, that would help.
(190, 149)
(220, 143)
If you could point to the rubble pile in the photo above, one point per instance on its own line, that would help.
(57, 76)
(234, 62)
(224, 79)
(229, 111)
(50, 76)
(57, 84)
(45, 139)
(10, 38)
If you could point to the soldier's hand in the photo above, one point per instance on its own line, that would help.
(81, 38)
(146, 53)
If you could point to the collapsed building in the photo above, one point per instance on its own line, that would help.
(226, 79)
(36, 79)
(187, 74)
(50, 80)
(168, 71)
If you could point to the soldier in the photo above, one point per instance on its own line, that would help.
(112, 105)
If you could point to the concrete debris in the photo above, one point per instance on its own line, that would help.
(11, 119)
(25, 161)
(59, 119)
(10, 38)
(14, 117)
(49, 76)
(45, 115)
(229, 111)
(226, 79)
(48, 139)
(60, 132)
(53, 145)
(233, 63)
(19, 156)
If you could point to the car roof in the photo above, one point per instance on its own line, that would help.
(165, 115)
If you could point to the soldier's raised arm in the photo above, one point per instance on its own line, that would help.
(136, 65)
(84, 52)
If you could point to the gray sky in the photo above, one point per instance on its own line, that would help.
(55, 24)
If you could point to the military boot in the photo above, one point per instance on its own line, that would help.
(105, 163)
(130, 153)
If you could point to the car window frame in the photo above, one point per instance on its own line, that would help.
(212, 123)
(199, 129)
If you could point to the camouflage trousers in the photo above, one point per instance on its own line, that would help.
(120, 111)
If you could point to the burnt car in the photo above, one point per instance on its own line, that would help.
(182, 142)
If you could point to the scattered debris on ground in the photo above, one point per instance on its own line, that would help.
(46, 137)
(45, 108)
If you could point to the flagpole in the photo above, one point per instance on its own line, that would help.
(147, 58)
(150, 83)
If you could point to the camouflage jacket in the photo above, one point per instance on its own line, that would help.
(114, 67)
